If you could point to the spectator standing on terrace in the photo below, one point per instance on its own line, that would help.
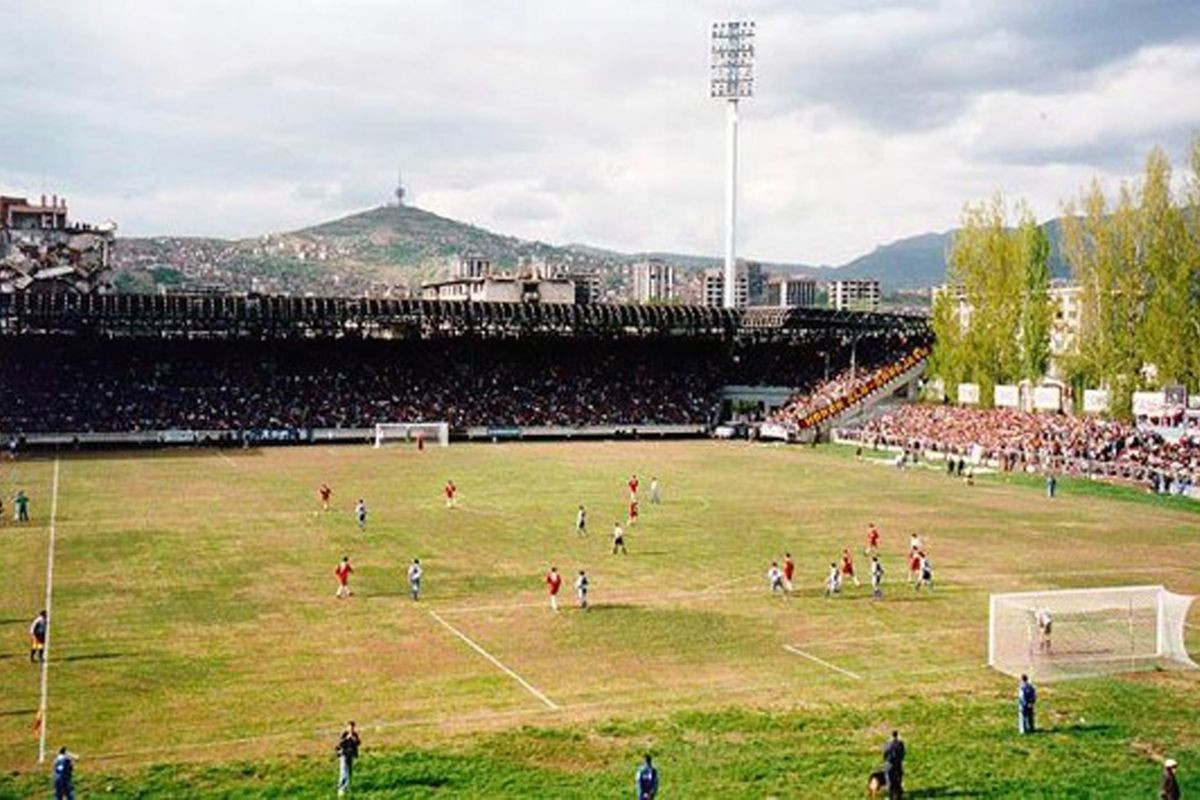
(21, 506)
(1026, 699)
(646, 780)
(347, 752)
(893, 755)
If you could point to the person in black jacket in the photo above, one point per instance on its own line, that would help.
(347, 751)
(1170, 784)
(893, 755)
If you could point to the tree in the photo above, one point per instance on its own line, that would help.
(1002, 274)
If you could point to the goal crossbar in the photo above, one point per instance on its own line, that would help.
(411, 431)
(1067, 633)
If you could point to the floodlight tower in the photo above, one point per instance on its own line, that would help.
(732, 79)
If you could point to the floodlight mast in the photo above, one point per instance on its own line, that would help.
(732, 79)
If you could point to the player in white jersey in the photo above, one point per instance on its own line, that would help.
(618, 539)
(876, 578)
(581, 589)
(581, 521)
(655, 495)
(414, 579)
(360, 514)
(914, 542)
(775, 579)
(833, 583)
(1044, 625)
(926, 573)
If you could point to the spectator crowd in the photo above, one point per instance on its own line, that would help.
(877, 364)
(82, 385)
(1040, 442)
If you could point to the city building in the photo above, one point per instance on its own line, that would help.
(750, 289)
(474, 280)
(587, 287)
(791, 292)
(653, 281)
(854, 294)
(41, 251)
(1066, 306)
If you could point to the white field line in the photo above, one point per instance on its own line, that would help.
(49, 618)
(822, 662)
(226, 458)
(528, 686)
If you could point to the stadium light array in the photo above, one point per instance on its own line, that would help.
(731, 79)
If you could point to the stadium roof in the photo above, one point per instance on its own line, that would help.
(267, 316)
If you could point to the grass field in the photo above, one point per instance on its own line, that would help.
(198, 648)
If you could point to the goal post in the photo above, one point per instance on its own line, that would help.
(410, 431)
(1080, 632)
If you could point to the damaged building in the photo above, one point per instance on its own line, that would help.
(42, 251)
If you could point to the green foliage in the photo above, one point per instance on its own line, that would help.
(1136, 258)
(1003, 274)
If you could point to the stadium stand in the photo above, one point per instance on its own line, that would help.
(881, 363)
(113, 363)
(1027, 441)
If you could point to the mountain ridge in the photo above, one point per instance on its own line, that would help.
(390, 247)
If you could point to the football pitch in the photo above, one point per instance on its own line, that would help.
(195, 625)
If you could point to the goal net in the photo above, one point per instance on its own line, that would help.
(1080, 632)
(411, 431)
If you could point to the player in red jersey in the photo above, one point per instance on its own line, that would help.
(451, 492)
(553, 584)
(872, 540)
(633, 511)
(633, 487)
(789, 569)
(343, 571)
(914, 565)
(848, 566)
(325, 493)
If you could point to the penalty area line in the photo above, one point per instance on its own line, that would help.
(529, 687)
(226, 458)
(822, 662)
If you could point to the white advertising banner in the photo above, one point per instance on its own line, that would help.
(1095, 401)
(1047, 398)
(1007, 396)
(1149, 404)
(968, 394)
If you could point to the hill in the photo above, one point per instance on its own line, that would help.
(395, 247)
(375, 250)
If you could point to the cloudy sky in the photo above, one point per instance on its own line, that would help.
(587, 121)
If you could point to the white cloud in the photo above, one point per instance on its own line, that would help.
(589, 121)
